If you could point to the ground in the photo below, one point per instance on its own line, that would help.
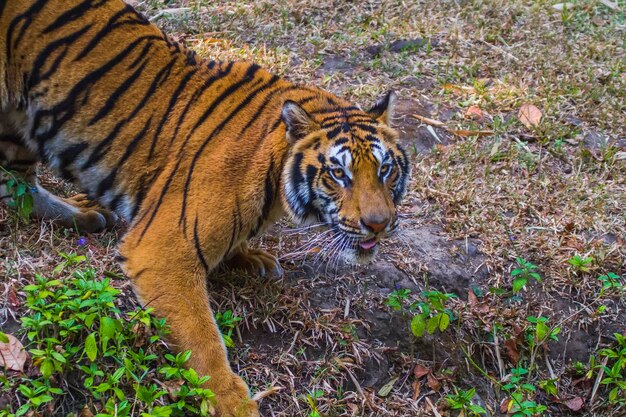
(514, 113)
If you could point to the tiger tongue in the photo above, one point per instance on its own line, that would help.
(368, 244)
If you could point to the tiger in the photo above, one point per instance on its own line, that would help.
(196, 156)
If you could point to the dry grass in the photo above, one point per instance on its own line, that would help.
(544, 193)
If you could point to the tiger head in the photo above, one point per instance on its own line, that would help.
(347, 170)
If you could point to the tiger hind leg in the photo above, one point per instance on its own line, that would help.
(18, 166)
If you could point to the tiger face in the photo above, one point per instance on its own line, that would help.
(347, 170)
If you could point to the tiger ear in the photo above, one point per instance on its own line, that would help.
(383, 110)
(299, 123)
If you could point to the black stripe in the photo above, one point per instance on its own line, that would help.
(106, 143)
(65, 110)
(347, 119)
(11, 139)
(109, 180)
(209, 81)
(335, 109)
(172, 103)
(37, 76)
(332, 134)
(27, 18)
(248, 77)
(118, 92)
(269, 194)
(73, 14)
(113, 23)
(67, 157)
(196, 243)
(236, 224)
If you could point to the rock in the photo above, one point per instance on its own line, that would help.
(374, 50)
(402, 45)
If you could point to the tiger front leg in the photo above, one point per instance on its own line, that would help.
(253, 261)
(171, 279)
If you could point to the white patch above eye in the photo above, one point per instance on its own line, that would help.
(380, 153)
(342, 154)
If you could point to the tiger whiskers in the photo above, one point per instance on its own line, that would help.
(321, 239)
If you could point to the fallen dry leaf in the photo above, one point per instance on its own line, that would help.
(575, 404)
(474, 112)
(510, 347)
(504, 406)
(471, 298)
(529, 115)
(417, 389)
(86, 412)
(466, 133)
(457, 88)
(12, 354)
(432, 382)
(14, 302)
(419, 371)
(429, 121)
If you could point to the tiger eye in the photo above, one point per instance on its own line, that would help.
(338, 173)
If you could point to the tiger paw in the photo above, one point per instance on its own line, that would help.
(91, 217)
(254, 261)
(232, 399)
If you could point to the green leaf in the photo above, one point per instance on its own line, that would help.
(46, 368)
(432, 324)
(418, 325)
(542, 331)
(91, 348)
(4, 338)
(444, 322)
(107, 330)
(518, 284)
(386, 389)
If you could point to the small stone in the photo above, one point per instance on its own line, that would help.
(374, 50)
(402, 45)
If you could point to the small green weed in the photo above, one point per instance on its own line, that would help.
(462, 400)
(611, 282)
(613, 370)
(311, 400)
(227, 322)
(521, 403)
(521, 275)
(21, 198)
(580, 264)
(428, 314)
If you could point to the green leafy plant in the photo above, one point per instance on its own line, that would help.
(76, 332)
(611, 282)
(20, 191)
(227, 322)
(613, 370)
(311, 400)
(427, 314)
(521, 275)
(521, 403)
(580, 264)
(462, 400)
(397, 298)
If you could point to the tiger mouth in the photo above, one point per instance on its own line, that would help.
(369, 244)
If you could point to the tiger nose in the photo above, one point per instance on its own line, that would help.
(375, 224)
